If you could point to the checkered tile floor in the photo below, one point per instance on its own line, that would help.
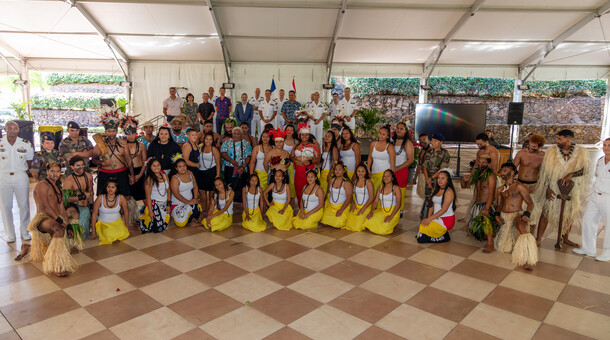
(321, 284)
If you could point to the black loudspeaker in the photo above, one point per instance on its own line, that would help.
(26, 130)
(515, 113)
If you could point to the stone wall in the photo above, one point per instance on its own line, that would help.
(62, 117)
(543, 115)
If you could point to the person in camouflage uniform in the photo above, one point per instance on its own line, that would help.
(436, 159)
(46, 155)
(75, 145)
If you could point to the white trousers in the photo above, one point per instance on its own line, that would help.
(597, 208)
(316, 130)
(17, 185)
(261, 126)
(256, 122)
(351, 124)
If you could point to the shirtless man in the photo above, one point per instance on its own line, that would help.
(511, 196)
(528, 162)
(116, 163)
(79, 186)
(208, 127)
(51, 218)
(483, 198)
(485, 148)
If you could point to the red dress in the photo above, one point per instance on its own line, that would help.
(304, 150)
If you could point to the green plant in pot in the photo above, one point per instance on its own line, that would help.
(21, 109)
(368, 121)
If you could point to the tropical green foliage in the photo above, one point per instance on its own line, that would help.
(369, 119)
(21, 109)
(69, 101)
(80, 78)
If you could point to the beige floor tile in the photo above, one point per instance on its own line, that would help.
(26, 289)
(250, 287)
(7, 259)
(496, 258)
(242, 323)
(256, 240)
(579, 321)
(328, 322)
(98, 290)
(147, 240)
(598, 283)
(315, 259)
(82, 258)
(376, 259)
(253, 260)
(462, 237)
(393, 286)
(162, 323)
(421, 324)
(4, 325)
(437, 259)
(500, 323)
(174, 289)
(321, 287)
(311, 240)
(191, 260)
(409, 237)
(199, 241)
(127, 261)
(464, 286)
(364, 239)
(75, 324)
(535, 285)
(559, 258)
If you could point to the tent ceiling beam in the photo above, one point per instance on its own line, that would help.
(9, 64)
(432, 60)
(539, 56)
(333, 42)
(225, 51)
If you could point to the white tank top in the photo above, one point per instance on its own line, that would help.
(349, 158)
(327, 161)
(310, 202)
(260, 159)
(336, 196)
(401, 154)
(279, 197)
(109, 215)
(158, 192)
(288, 147)
(381, 160)
(388, 200)
(206, 160)
(222, 203)
(185, 190)
(438, 206)
(361, 194)
(253, 200)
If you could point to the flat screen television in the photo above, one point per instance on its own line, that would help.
(457, 122)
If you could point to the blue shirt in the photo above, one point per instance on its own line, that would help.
(290, 108)
(222, 108)
(236, 151)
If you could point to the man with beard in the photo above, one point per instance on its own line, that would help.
(208, 128)
(424, 143)
(482, 206)
(564, 161)
(78, 193)
(178, 134)
(147, 137)
(485, 148)
(528, 162)
(511, 196)
(51, 219)
(229, 125)
(75, 145)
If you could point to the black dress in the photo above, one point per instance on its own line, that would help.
(164, 153)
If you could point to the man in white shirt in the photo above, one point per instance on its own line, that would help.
(349, 107)
(172, 105)
(256, 119)
(316, 121)
(279, 102)
(16, 155)
(333, 108)
(268, 111)
(307, 106)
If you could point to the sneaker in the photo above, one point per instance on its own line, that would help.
(26, 237)
(582, 252)
(603, 257)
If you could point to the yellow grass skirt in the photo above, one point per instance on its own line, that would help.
(262, 177)
(324, 180)
(112, 231)
(377, 178)
(280, 221)
(308, 223)
(378, 226)
(354, 221)
(256, 222)
(218, 223)
(330, 215)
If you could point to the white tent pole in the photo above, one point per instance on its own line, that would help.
(514, 129)
(606, 115)
(333, 42)
(225, 51)
(8, 62)
(423, 94)
(25, 88)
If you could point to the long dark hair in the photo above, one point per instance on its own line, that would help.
(174, 170)
(333, 145)
(260, 140)
(293, 131)
(315, 172)
(394, 180)
(352, 138)
(366, 173)
(344, 171)
(437, 188)
(405, 139)
(149, 174)
(217, 193)
(169, 132)
(115, 181)
(387, 128)
(258, 181)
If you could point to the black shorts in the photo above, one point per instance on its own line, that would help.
(205, 179)
(122, 177)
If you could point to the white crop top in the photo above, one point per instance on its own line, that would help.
(185, 190)
(279, 197)
(109, 215)
(336, 196)
(401, 154)
(349, 158)
(438, 206)
(206, 160)
(361, 195)
(253, 200)
(158, 192)
(381, 160)
(310, 202)
(222, 203)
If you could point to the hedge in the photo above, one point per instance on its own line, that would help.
(80, 78)
(68, 101)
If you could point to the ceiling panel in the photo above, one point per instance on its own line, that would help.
(278, 50)
(487, 53)
(579, 54)
(427, 3)
(383, 51)
(171, 48)
(57, 45)
(593, 30)
(42, 16)
(529, 4)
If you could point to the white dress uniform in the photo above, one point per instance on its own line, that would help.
(14, 181)
(333, 109)
(256, 118)
(316, 129)
(267, 109)
(348, 108)
(597, 208)
(278, 104)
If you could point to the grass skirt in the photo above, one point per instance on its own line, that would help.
(356, 222)
(378, 226)
(256, 222)
(76, 242)
(329, 217)
(505, 239)
(310, 222)
(58, 260)
(280, 221)
(111, 231)
(134, 211)
(525, 251)
(421, 185)
(262, 177)
(218, 223)
(40, 241)
(324, 180)
(480, 226)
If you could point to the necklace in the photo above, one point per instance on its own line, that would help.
(363, 195)
(391, 205)
(347, 147)
(75, 177)
(567, 156)
(111, 203)
(327, 160)
(207, 167)
(133, 155)
(58, 195)
(306, 202)
(332, 189)
(253, 201)
(164, 190)
(281, 188)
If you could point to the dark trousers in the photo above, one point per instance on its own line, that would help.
(219, 124)
(236, 183)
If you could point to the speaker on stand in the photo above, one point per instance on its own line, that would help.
(515, 117)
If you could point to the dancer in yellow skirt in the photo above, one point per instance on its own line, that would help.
(185, 195)
(349, 151)
(330, 156)
(110, 211)
(258, 156)
(280, 212)
(382, 156)
(384, 216)
(220, 216)
(338, 198)
(364, 195)
(310, 211)
(441, 214)
(252, 218)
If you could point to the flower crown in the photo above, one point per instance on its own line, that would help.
(110, 117)
(176, 157)
(304, 128)
(278, 133)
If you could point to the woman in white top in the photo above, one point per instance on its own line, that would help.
(109, 214)
(364, 195)
(185, 195)
(310, 208)
(338, 198)
(280, 212)
(349, 151)
(382, 221)
(330, 156)
(258, 155)
(220, 215)
(289, 143)
(441, 214)
(382, 156)
(252, 218)
(209, 168)
(405, 155)
(158, 199)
